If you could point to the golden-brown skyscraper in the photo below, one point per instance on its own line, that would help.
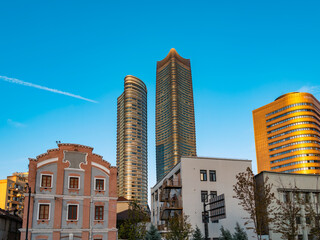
(175, 126)
(132, 141)
(287, 134)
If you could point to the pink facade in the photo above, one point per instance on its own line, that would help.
(74, 195)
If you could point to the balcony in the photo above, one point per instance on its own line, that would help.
(168, 206)
(172, 183)
(171, 205)
(164, 195)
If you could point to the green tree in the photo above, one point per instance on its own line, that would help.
(288, 214)
(134, 227)
(153, 234)
(256, 199)
(312, 211)
(197, 235)
(239, 233)
(225, 234)
(179, 228)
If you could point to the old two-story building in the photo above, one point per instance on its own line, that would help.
(73, 195)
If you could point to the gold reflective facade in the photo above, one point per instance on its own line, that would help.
(175, 124)
(287, 134)
(132, 141)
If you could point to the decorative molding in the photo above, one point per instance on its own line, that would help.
(71, 230)
(100, 166)
(73, 169)
(51, 160)
(52, 196)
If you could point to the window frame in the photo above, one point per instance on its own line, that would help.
(308, 220)
(203, 173)
(67, 216)
(213, 193)
(206, 199)
(95, 213)
(46, 174)
(286, 197)
(104, 184)
(215, 175)
(38, 216)
(69, 182)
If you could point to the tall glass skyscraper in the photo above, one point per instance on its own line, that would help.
(132, 141)
(175, 125)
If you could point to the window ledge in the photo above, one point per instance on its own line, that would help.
(98, 222)
(45, 189)
(73, 190)
(43, 221)
(72, 222)
(100, 191)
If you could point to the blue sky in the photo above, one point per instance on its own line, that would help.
(244, 54)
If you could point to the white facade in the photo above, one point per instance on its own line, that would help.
(192, 183)
(284, 183)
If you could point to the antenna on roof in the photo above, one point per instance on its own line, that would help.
(57, 142)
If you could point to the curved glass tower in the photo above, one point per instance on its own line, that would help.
(175, 125)
(287, 134)
(132, 141)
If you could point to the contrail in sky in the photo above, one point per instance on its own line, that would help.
(17, 81)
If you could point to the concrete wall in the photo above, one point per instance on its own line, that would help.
(306, 183)
(226, 171)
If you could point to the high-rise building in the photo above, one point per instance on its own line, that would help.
(132, 141)
(287, 134)
(175, 125)
(12, 192)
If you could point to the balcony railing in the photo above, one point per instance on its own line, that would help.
(172, 183)
(164, 195)
(171, 205)
(168, 207)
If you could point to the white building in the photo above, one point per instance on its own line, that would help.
(285, 185)
(189, 183)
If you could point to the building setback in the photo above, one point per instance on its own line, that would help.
(175, 123)
(132, 141)
(74, 195)
(287, 134)
(191, 182)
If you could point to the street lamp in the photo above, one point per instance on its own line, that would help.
(29, 190)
